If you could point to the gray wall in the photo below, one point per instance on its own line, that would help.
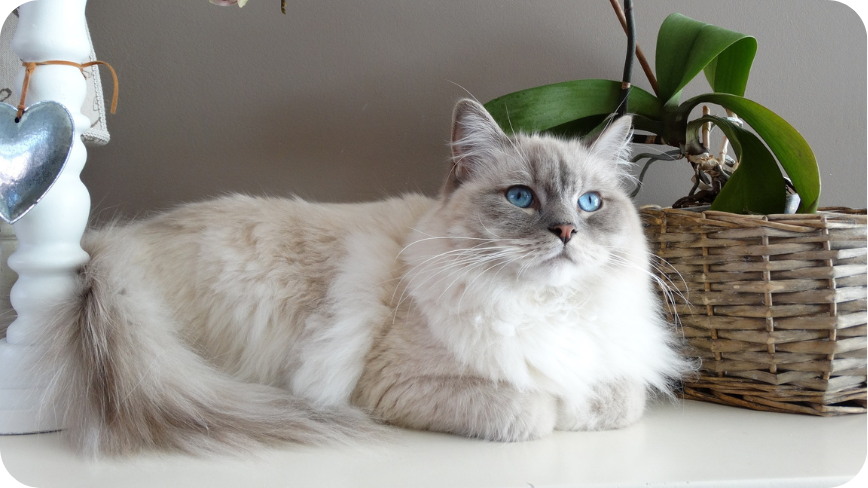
(345, 100)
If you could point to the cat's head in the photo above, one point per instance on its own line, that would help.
(544, 208)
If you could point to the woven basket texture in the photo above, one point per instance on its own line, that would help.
(774, 306)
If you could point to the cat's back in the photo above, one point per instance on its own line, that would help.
(256, 228)
(240, 245)
(230, 270)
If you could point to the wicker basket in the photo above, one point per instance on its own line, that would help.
(774, 306)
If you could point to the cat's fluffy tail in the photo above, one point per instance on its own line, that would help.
(123, 382)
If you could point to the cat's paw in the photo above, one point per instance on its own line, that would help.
(471, 407)
(533, 417)
(613, 406)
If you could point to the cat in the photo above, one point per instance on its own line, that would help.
(517, 302)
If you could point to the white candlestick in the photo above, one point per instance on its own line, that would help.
(49, 236)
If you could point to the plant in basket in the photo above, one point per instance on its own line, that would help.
(774, 305)
(749, 183)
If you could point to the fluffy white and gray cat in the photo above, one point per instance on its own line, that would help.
(517, 302)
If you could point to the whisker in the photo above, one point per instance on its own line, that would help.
(479, 217)
(430, 238)
(438, 256)
(662, 278)
(449, 267)
(502, 265)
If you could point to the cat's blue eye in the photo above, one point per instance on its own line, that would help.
(590, 202)
(520, 196)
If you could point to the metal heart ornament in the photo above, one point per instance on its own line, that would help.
(33, 152)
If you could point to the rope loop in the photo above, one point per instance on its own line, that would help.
(29, 66)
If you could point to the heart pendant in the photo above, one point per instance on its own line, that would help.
(33, 152)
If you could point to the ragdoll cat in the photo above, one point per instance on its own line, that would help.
(517, 302)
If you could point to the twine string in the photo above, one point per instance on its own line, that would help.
(29, 66)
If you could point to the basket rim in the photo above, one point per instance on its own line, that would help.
(800, 223)
(820, 212)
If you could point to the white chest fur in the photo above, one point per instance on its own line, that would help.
(559, 339)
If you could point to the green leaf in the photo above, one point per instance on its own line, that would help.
(686, 46)
(788, 146)
(593, 125)
(580, 127)
(546, 107)
(757, 186)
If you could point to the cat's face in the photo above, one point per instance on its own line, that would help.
(540, 208)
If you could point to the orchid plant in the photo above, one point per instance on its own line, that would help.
(750, 183)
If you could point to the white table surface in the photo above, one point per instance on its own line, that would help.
(687, 444)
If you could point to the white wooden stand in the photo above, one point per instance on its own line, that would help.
(49, 236)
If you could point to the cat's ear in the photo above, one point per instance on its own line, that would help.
(614, 142)
(476, 141)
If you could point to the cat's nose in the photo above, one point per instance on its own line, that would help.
(563, 231)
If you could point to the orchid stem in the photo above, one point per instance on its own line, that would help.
(628, 62)
(649, 73)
